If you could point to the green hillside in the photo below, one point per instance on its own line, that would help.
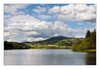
(58, 44)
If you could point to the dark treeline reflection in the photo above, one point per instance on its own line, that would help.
(91, 58)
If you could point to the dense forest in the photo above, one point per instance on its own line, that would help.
(14, 45)
(76, 44)
(88, 44)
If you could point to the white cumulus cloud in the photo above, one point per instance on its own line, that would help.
(13, 8)
(55, 9)
(29, 26)
(39, 9)
(75, 12)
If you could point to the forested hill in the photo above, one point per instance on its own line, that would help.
(59, 42)
(89, 43)
(52, 39)
(57, 38)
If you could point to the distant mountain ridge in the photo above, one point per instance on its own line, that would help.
(57, 38)
(52, 39)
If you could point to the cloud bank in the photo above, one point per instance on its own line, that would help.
(75, 12)
(34, 28)
(41, 22)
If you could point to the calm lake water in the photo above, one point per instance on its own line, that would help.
(48, 57)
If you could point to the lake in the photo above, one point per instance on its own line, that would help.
(48, 57)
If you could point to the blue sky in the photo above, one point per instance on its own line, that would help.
(34, 22)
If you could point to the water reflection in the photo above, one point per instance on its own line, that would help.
(91, 59)
(47, 57)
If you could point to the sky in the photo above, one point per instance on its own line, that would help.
(35, 22)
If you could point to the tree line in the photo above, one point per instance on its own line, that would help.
(89, 42)
(15, 45)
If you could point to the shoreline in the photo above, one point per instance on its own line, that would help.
(88, 51)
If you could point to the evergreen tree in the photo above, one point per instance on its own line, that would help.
(93, 39)
(88, 34)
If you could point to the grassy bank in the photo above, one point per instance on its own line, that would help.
(50, 47)
(90, 51)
